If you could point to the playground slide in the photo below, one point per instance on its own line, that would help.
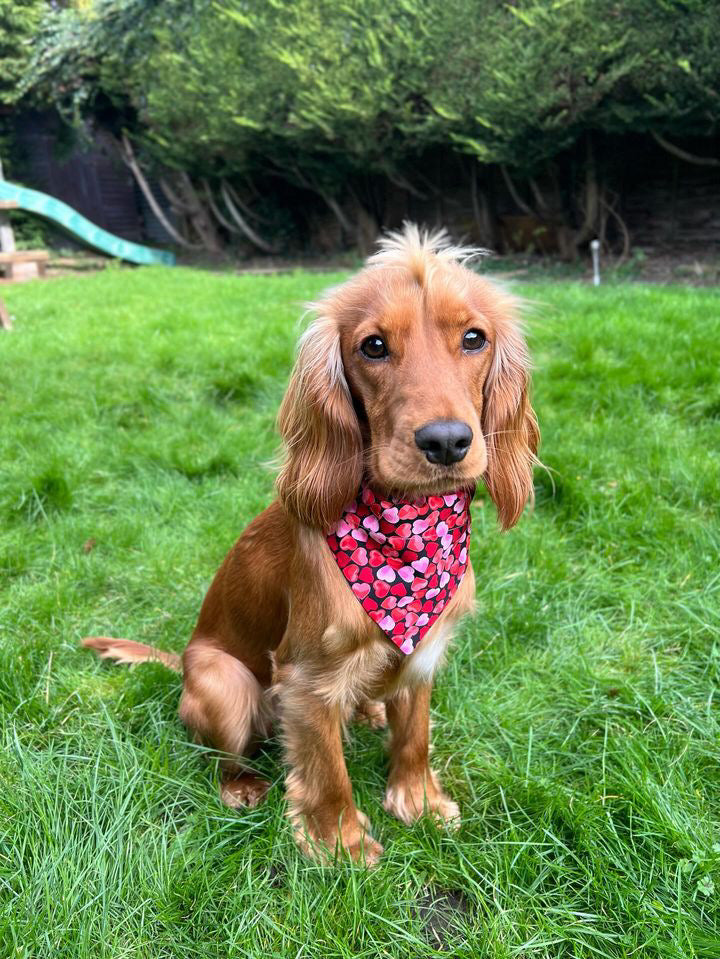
(58, 212)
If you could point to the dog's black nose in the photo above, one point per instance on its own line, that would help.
(444, 441)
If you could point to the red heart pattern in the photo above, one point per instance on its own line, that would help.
(403, 559)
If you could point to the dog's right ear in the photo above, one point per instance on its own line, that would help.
(323, 445)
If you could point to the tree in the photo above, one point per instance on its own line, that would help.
(325, 95)
(19, 20)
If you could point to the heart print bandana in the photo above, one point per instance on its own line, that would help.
(403, 559)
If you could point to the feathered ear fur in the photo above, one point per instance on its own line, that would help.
(323, 463)
(510, 427)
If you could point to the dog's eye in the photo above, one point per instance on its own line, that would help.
(374, 347)
(473, 341)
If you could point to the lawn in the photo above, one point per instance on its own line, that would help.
(577, 721)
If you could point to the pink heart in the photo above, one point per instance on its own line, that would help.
(360, 556)
(420, 525)
(342, 528)
(386, 573)
(361, 590)
(387, 622)
(404, 601)
(371, 523)
(359, 534)
(420, 564)
(391, 515)
(450, 499)
(406, 573)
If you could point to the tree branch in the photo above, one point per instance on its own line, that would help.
(129, 157)
(175, 202)
(244, 208)
(242, 223)
(610, 208)
(404, 184)
(330, 200)
(217, 212)
(683, 154)
(519, 202)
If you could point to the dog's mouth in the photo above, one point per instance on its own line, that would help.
(400, 470)
(450, 483)
(428, 480)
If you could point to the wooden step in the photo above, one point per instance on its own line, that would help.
(25, 256)
(23, 264)
(9, 205)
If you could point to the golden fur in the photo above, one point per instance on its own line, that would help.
(280, 637)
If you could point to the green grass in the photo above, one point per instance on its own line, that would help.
(577, 722)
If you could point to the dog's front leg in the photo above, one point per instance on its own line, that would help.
(319, 792)
(413, 787)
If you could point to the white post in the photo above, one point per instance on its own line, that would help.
(595, 247)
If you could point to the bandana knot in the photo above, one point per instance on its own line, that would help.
(403, 559)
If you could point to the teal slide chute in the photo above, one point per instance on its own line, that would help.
(58, 212)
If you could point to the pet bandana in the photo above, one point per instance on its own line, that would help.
(403, 559)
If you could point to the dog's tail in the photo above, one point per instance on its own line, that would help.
(127, 651)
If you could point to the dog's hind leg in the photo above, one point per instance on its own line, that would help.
(226, 707)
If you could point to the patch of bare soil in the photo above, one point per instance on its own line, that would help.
(441, 912)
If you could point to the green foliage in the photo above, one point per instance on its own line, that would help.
(577, 722)
(290, 83)
(529, 78)
(317, 91)
(19, 22)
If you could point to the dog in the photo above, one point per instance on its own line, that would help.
(339, 600)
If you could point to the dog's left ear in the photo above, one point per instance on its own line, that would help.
(510, 426)
(317, 421)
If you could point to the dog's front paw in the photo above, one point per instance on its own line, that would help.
(362, 849)
(410, 798)
(352, 839)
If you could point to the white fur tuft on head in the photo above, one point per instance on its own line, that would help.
(413, 248)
